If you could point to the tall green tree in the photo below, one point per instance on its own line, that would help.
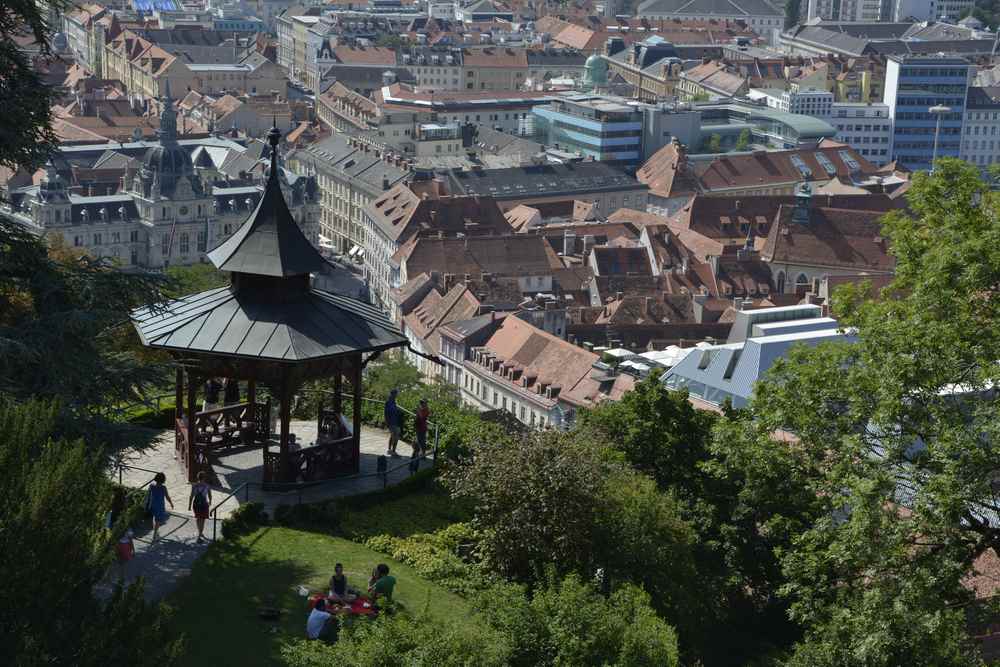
(792, 13)
(65, 333)
(743, 498)
(897, 435)
(54, 550)
(26, 136)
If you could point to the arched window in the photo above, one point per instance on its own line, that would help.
(781, 282)
(802, 282)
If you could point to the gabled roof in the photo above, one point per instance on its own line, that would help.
(833, 237)
(269, 243)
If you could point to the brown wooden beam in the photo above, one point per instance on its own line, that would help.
(356, 381)
(179, 394)
(252, 411)
(192, 396)
(285, 418)
(338, 391)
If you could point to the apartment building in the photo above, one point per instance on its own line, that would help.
(980, 139)
(349, 176)
(537, 377)
(915, 85)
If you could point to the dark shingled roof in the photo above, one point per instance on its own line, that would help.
(311, 325)
(269, 243)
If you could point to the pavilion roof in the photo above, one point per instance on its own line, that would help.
(269, 312)
(269, 243)
(313, 325)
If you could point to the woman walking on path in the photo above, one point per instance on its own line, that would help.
(200, 500)
(156, 502)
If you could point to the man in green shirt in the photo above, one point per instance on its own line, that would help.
(383, 583)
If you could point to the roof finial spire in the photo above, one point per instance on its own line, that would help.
(274, 138)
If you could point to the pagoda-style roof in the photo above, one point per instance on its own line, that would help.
(269, 312)
(269, 243)
(221, 322)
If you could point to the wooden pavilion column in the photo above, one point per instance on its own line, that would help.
(192, 410)
(356, 382)
(251, 417)
(285, 419)
(338, 390)
(179, 394)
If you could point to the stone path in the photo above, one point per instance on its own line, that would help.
(166, 562)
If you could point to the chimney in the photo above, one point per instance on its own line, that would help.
(588, 244)
(803, 199)
(569, 243)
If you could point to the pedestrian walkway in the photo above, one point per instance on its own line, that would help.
(166, 562)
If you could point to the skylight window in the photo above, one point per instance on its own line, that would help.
(825, 162)
(849, 160)
(801, 166)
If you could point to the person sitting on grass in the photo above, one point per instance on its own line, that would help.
(318, 619)
(381, 583)
(338, 583)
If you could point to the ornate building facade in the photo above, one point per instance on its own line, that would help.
(150, 205)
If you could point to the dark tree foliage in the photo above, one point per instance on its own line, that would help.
(26, 138)
(987, 11)
(792, 13)
(897, 436)
(54, 550)
(65, 332)
(743, 501)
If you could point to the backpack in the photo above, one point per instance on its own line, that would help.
(200, 502)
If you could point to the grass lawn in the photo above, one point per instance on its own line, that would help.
(422, 510)
(216, 607)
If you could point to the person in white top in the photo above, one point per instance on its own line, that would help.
(318, 618)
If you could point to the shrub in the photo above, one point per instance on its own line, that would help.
(324, 516)
(437, 556)
(245, 519)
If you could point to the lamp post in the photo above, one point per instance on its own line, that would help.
(938, 110)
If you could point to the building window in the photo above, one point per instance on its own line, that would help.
(201, 241)
(97, 239)
(185, 248)
(78, 241)
(165, 244)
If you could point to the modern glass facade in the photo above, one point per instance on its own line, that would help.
(607, 132)
(912, 87)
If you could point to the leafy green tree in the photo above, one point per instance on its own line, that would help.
(65, 331)
(897, 437)
(741, 498)
(792, 13)
(743, 141)
(185, 280)
(54, 550)
(28, 141)
(400, 641)
(535, 499)
(565, 622)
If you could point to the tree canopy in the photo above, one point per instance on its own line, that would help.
(896, 435)
(54, 550)
(29, 141)
(64, 329)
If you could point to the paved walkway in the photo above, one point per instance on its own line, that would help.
(166, 562)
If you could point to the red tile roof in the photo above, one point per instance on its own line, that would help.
(553, 361)
(833, 237)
